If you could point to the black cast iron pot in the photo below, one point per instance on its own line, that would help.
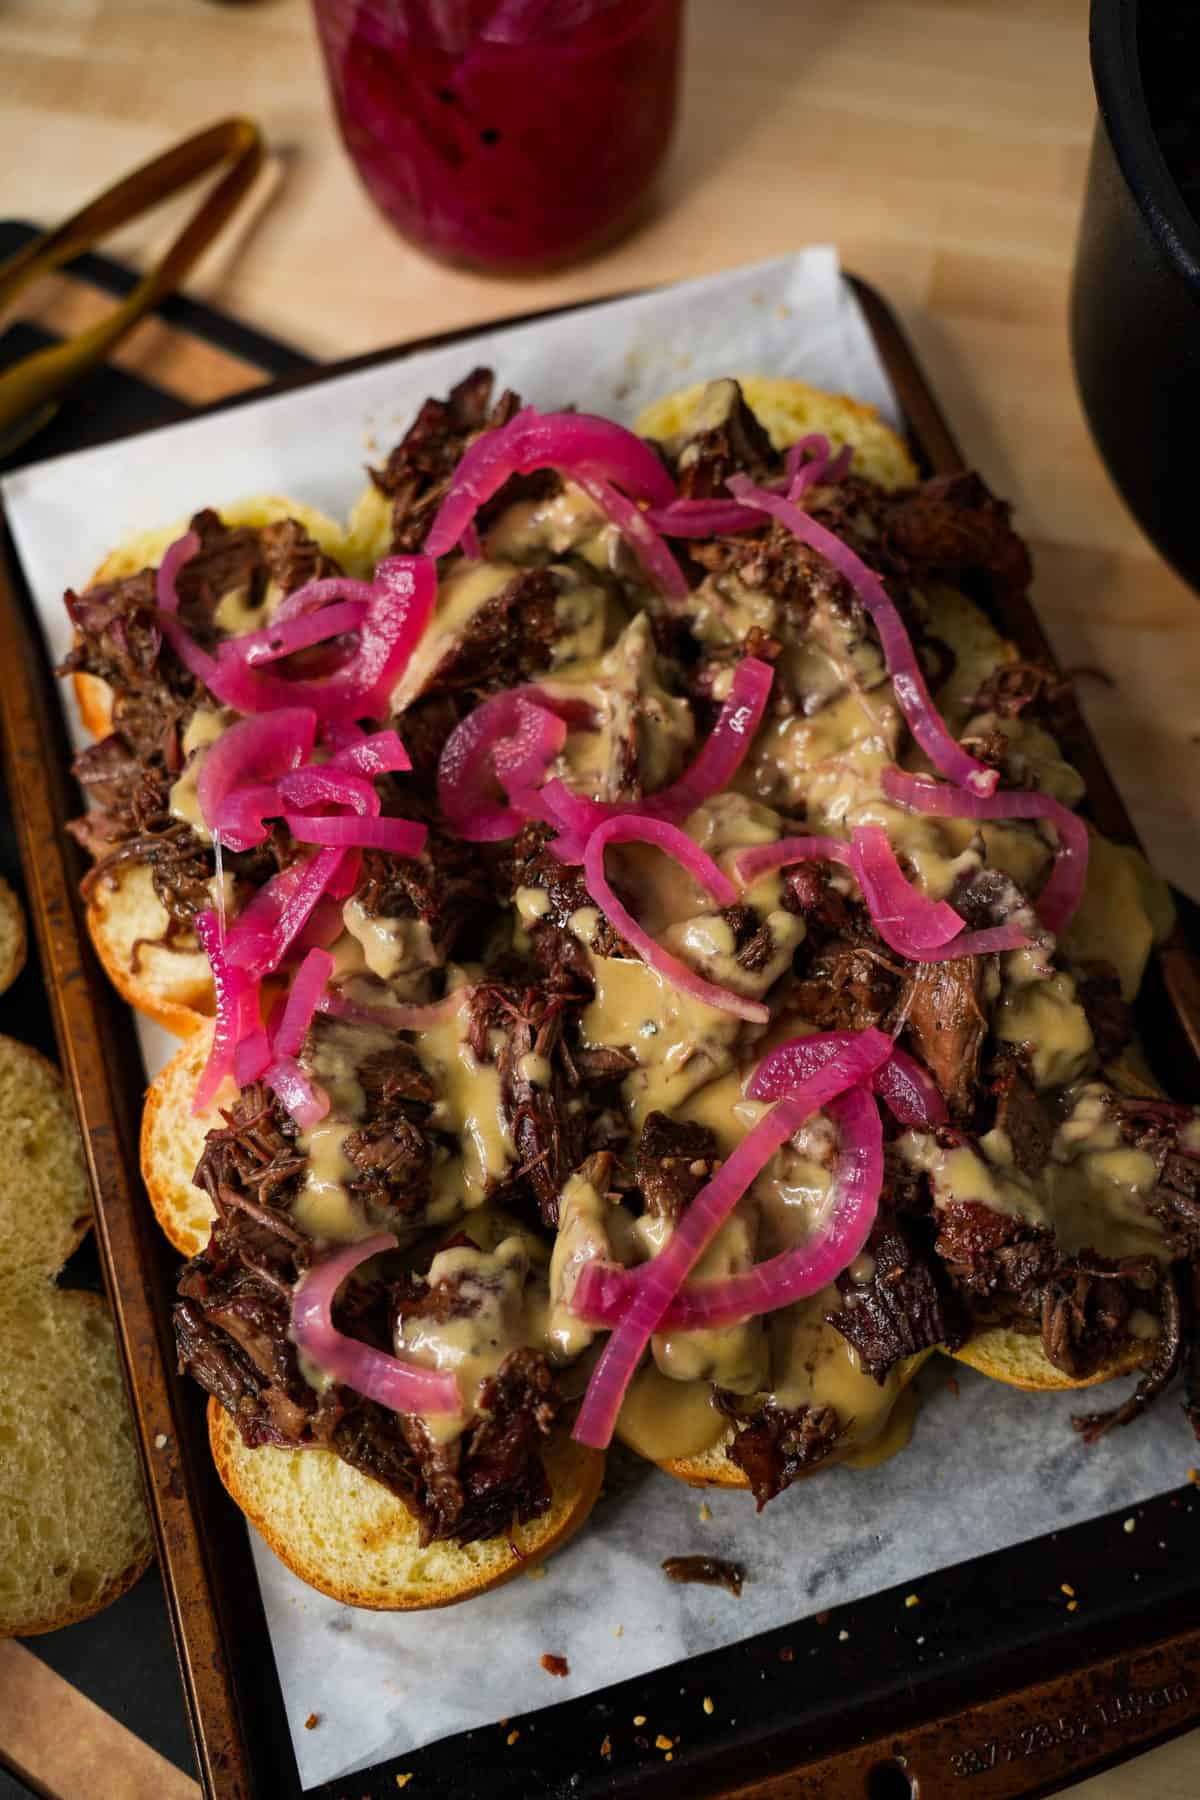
(1135, 300)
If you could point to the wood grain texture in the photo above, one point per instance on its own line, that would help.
(63, 1745)
(941, 144)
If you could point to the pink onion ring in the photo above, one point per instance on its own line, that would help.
(303, 999)
(724, 749)
(468, 793)
(295, 1089)
(1059, 899)
(366, 753)
(398, 837)
(603, 1292)
(257, 749)
(703, 518)
(571, 443)
(263, 931)
(750, 864)
(908, 681)
(236, 1010)
(666, 1273)
(402, 1387)
(907, 920)
(400, 605)
(285, 637)
(394, 1018)
(638, 829)
(629, 519)
(907, 1090)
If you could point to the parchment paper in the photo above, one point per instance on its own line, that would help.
(382, 1684)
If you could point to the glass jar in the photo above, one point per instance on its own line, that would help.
(504, 134)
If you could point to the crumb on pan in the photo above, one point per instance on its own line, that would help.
(555, 1665)
(312, 1721)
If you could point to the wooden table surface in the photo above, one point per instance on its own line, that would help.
(941, 144)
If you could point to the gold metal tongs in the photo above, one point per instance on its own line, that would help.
(30, 390)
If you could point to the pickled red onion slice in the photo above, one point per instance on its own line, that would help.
(399, 606)
(236, 1010)
(262, 933)
(912, 695)
(394, 1018)
(257, 750)
(1057, 903)
(367, 753)
(724, 749)
(603, 1292)
(403, 1387)
(574, 444)
(468, 790)
(703, 518)
(888, 913)
(907, 1090)
(666, 1273)
(638, 829)
(295, 1089)
(303, 999)
(285, 637)
(398, 837)
(907, 920)
(629, 519)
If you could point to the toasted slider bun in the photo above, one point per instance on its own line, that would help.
(73, 1527)
(145, 550)
(172, 1142)
(789, 410)
(172, 986)
(14, 942)
(1017, 1358)
(350, 1537)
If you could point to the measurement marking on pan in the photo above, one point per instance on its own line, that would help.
(1067, 1728)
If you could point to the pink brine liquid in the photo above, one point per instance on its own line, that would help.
(510, 134)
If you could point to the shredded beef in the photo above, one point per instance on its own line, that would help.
(674, 1160)
(1157, 1376)
(255, 1150)
(1098, 987)
(392, 1152)
(953, 526)
(1015, 1273)
(1086, 1309)
(546, 1120)
(563, 962)
(844, 980)
(418, 471)
(474, 1486)
(508, 640)
(778, 1443)
(708, 1571)
(905, 1305)
(726, 440)
(945, 1025)
(447, 888)
(1020, 1114)
(1015, 687)
(1174, 1200)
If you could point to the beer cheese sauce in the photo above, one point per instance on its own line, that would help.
(822, 764)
